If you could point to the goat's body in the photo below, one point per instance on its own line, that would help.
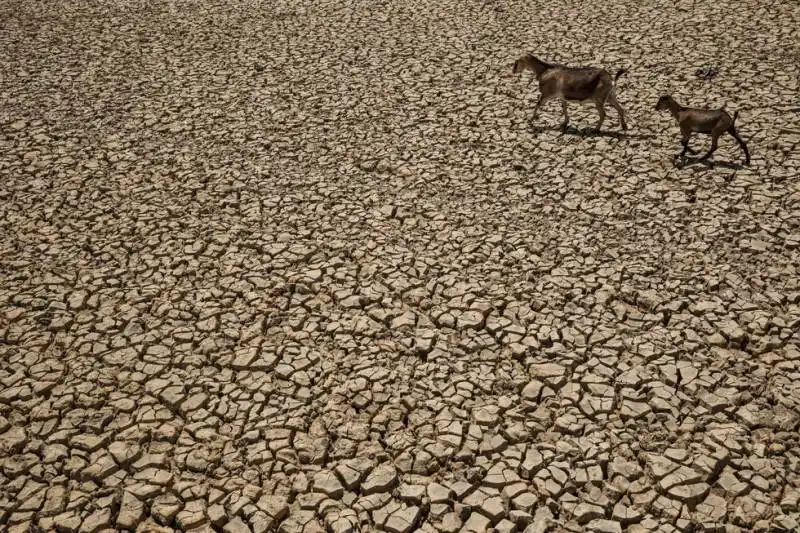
(703, 120)
(714, 122)
(573, 84)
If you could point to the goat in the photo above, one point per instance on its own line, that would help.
(714, 122)
(573, 84)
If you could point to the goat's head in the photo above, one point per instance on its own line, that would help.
(663, 103)
(524, 63)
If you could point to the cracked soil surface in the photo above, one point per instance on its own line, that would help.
(307, 266)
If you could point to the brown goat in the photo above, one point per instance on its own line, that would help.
(713, 122)
(573, 84)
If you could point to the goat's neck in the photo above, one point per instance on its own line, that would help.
(539, 66)
(674, 107)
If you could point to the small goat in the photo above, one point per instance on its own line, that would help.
(573, 84)
(709, 121)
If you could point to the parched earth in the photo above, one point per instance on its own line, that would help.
(307, 266)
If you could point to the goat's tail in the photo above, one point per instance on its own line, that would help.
(620, 72)
(735, 114)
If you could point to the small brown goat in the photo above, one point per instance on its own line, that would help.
(714, 122)
(573, 84)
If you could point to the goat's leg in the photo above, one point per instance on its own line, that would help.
(714, 143)
(685, 136)
(539, 103)
(715, 134)
(682, 155)
(600, 105)
(735, 135)
(721, 127)
(612, 99)
(566, 115)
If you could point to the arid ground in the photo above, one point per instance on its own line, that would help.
(308, 266)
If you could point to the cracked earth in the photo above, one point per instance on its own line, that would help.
(307, 266)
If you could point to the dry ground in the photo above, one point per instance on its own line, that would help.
(306, 266)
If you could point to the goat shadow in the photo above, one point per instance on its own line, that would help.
(693, 161)
(586, 133)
